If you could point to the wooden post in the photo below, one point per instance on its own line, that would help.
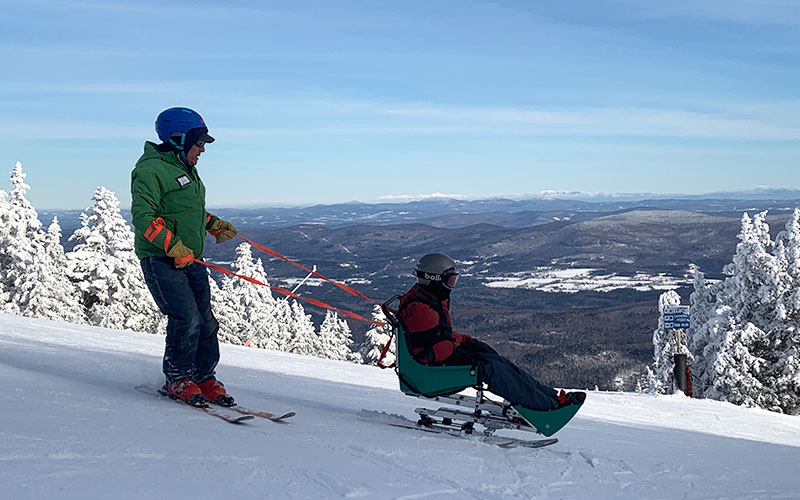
(679, 372)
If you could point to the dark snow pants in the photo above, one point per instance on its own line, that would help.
(192, 348)
(503, 377)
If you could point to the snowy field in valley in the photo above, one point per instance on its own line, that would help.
(73, 427)
(547, 279)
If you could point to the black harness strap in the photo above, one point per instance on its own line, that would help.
(426, 339)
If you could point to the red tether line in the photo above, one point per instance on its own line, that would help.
(290, 261)
(311, 301)
(291, 294)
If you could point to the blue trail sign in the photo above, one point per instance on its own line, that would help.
(676, 317)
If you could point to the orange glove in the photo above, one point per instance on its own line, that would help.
(222, 230)
(182, 254)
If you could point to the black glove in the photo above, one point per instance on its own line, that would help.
(478, 346)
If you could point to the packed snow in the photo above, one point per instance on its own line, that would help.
(75, 428)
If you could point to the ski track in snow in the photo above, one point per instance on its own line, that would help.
(74, 428)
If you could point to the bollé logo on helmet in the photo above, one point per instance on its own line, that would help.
(433, 277)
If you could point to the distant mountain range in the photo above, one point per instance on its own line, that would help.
(757, 193)
(530, 210)
(455, 213)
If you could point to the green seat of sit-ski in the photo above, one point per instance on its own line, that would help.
(548, 422)
(417, 379)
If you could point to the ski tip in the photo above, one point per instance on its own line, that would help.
(283, 417)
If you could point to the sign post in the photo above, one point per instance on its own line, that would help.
(677, 318)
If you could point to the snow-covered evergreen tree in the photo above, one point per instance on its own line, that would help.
(735, 369)
(4, 208)
(743, 346)
(281, 330)
(376, 338)
(703, 305)
(104, 267)
(249, 314)
(21, 239)
(226, 315)
(752, 290)
(304, 338)
(648, 382)
(787, 255)
(32, 262)
(336, 340)
(53, 295)
(786, 368)
(787, 376)
(666, 343)
(246, 310)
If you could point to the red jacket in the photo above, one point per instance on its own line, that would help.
(427, 321)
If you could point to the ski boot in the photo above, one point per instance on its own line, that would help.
(185, 390)
(213, 390)
(570, 398)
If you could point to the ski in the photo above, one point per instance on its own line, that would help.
(501, 441)
(506, 442)
(261, 414)
(231, 419)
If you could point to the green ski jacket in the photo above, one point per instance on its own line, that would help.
(168, 204)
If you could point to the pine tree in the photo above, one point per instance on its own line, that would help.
(226, 314)
(786, 369)
(648, 382)
(281, 330)
(5, 207)
(336, 339)
(740, 356)
(752, 289)
(703, 305)
(33, 278)
(304, 339)
(104, 267)
(376, 338)
(21, 239)
(787, 255)
(735, 369)
(52, 295)
(787, 375)
(247, 310)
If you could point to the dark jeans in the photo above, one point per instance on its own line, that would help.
(503, 377)
(192, 349)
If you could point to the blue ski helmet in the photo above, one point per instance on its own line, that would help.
(173, 125)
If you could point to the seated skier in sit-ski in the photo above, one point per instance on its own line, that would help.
(424, 314)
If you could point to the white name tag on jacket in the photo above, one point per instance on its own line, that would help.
(183, 180)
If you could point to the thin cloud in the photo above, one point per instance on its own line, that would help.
(761, 123)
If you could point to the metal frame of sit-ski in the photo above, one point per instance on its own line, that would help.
(443, 384)
(492, 415)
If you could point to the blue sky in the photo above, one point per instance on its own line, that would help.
(332, 101)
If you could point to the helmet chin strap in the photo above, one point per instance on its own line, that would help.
(180, 147)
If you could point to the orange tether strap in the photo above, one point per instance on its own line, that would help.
(383, 354)
(311, 301)
(290, 261)
(291, 294)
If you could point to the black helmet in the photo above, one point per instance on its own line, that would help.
(436, 267)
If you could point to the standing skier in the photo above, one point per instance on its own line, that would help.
(425, 314)
(168, 208)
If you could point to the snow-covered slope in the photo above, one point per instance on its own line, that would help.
(73, 427)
